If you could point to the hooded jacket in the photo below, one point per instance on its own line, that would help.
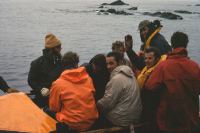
(72, 97)
(177, 82)
(121, 102)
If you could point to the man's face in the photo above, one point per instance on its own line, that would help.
(111, 63)
(150, 59)
(57, 50)
(120, 50)
(143, 33)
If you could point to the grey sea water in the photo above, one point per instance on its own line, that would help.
(24, 24)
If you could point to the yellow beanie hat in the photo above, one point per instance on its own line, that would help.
(51, 41)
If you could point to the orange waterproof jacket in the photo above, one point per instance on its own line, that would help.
(72, 97)
(19, 114)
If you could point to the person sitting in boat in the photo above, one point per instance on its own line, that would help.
(99, 73)
(152, 57)
(72, 96)
(45, 69)
(5, 88)
(150, 37)
(121, 103)
(118, 46)
(176, 83)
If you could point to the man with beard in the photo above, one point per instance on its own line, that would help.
(150, 37)
(45, 69)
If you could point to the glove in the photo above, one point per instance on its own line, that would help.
(45, 92)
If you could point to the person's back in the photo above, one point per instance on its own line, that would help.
(72, 98)
(177, 80)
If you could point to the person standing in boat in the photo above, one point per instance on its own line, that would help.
(45, 69)
(121, 103)
(176, 81)
(150, 37)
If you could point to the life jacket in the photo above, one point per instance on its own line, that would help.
(148, 42)
(145, 73)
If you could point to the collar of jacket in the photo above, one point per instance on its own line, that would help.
(178, 53)
(54, 59)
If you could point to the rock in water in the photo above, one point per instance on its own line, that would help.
(167, 15)
(118, 2)
(183, 11)
(133, 8)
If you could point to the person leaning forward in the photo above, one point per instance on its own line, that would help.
(121, 103)
(45, 69)
(72, 96)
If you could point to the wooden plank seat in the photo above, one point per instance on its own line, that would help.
(114, 129)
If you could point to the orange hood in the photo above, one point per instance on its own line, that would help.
(75, 75)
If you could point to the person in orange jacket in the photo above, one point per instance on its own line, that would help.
(72, 96)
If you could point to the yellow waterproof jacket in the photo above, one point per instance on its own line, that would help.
(145, 73)
(72, 97)
(18, 113)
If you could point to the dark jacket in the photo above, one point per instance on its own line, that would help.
(99, 79)
(3, 85)
(177, 81)
(43, 71)
(159, 42)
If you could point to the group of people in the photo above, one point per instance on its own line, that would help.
(158, 86)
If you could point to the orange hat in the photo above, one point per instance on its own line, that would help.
(51, 41)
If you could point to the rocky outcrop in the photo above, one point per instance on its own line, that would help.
(133, 8)
(113, 11)
(116, 3)
(197, 5)
(167, 15)
(183, 11)
(103, 4)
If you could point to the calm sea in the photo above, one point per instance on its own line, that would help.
(24, 24)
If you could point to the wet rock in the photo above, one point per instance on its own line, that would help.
(167, 15)
(197, 5)
(116, 3)
(113, 11)
(196, 12)
(183, 11)
(133, 8)
(101, 6)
